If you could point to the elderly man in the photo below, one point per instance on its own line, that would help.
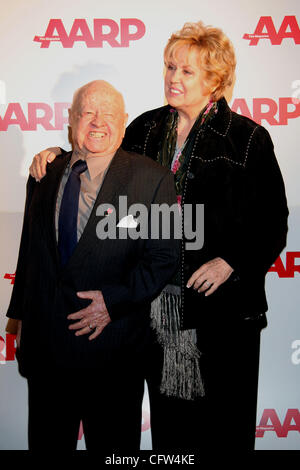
(82, 297)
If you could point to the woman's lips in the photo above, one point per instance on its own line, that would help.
(175, 91)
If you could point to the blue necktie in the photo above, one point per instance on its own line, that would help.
(68, 214)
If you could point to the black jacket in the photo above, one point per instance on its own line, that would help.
(129, 272)
(232, 171)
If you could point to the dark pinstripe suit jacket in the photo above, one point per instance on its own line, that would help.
(129, 272)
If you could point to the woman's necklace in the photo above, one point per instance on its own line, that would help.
(175, 162)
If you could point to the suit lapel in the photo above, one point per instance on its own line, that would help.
(113, 186)
(49, 187)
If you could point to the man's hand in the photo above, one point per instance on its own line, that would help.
(37, 168)
(210, 276)
(94, 317)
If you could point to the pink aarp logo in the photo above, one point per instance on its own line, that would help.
(265, 29)
(270, 422)
(104, 30)
(276, 112)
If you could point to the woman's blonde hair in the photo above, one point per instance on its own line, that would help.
(216, 54)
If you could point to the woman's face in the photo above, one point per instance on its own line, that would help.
(184, 82)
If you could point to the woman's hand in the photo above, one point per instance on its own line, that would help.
(38, 166)
(210, 276)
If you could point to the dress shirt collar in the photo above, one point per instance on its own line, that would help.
(96, 165)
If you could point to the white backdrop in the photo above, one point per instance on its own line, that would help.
(48, 49)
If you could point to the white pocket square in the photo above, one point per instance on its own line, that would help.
(128, 222)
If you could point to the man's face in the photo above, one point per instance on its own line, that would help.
(98, 125)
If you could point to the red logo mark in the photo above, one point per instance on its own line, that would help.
(11, 277)
(37, 114)
(105, 30)
(267, 108)
(265, 29)
(10, 344)
(146, 421)
(290, 267)
(270, 422)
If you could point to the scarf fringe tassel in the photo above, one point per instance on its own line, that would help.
(181, 373)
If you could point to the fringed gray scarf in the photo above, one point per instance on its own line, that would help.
(181, 373)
